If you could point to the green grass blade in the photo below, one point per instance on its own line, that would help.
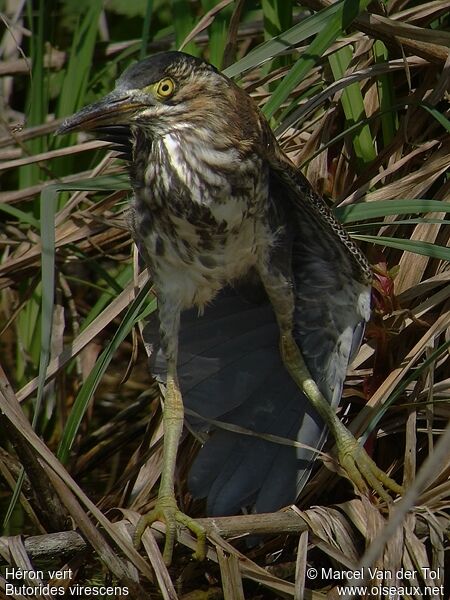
(37, 100)
(336, 25)
(400, 390)
(133, 314)
(347, 131)
(218, 31)
(438, 116)
(375, 225)
(146, 29)
(384, 208)
(20, 215)
(44, 314)
(277, 18)
(353, 105)
(80, 62)
(115, 285)
(183, 23)
(96, 184)
(297, 34)
(416, 246)
(49, 199)
(386, 95)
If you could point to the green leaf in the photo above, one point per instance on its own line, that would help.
(386, 95)
(277, 19)
(49, 199)
(80, 62)
(416, 246)
(134, 313)
(218, 31)
(334, 27)
(183, 23)
(146, 28)
(95, 184)
(20, 215)
(288, 39)
(115, 285)
(438, 116)
(37, 99)
(384, 208)
(421, 221)
(400, 390)
(353, 105)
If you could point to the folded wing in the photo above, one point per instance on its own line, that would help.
(230, 367)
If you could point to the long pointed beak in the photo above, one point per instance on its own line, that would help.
(115, 108)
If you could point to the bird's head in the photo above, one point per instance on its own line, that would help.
(166, 92)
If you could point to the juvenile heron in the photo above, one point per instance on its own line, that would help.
(219, 211)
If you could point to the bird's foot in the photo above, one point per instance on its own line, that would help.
(361, 469)
(167, 511)
(357, 464)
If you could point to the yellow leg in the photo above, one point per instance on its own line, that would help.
(358, 465)
(355, 461)
(166, 509)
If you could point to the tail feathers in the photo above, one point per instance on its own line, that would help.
(230, 369)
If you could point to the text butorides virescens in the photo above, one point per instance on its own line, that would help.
(217, 203)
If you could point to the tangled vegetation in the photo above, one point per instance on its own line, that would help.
(358, 96)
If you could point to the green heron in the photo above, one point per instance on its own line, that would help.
(219, 211)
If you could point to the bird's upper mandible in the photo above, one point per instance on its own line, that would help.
(217, 146)
(173, 91)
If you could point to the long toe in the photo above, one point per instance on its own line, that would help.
(167, 511)
(361, 469)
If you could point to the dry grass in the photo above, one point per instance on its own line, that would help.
(397, 389)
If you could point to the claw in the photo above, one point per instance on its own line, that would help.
(167, 511)
(353, 458)
(360, 468)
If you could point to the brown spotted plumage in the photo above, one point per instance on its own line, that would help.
(217, 204)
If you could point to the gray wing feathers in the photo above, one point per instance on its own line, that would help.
(330, 315)
(332, 299)
(230, 369)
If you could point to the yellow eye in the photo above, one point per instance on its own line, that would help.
(165, 88)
